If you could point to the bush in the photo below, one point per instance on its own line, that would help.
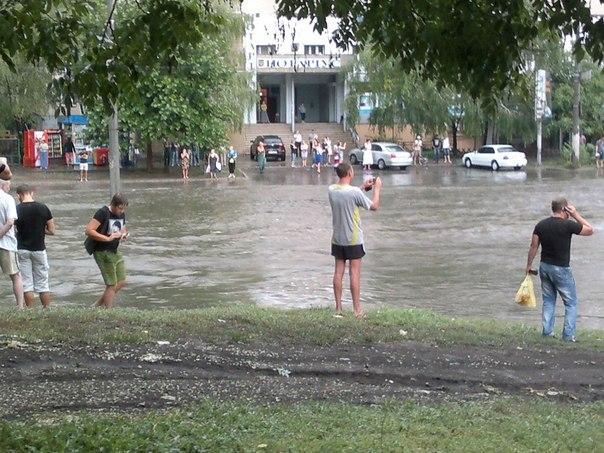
(586, 154)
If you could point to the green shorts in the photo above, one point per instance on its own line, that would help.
(112, 267)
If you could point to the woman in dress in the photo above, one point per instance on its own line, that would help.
(304, 152)
(261, 156)
(185, 162)
(318, 154)
(367, 155)
(213, 161)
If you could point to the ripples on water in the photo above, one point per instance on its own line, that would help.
(450, 239)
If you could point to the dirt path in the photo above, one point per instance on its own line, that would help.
(36, 378)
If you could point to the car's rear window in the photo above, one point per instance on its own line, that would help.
(272, 140)
(394, 148)
(506, 149)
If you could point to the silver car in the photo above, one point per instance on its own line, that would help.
(385, 154)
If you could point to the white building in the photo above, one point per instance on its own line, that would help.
(291, 64)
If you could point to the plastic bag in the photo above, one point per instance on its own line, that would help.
(526, 293)
(208, 169)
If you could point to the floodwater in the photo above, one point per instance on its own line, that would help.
(446, 238)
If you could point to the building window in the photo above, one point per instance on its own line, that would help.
(314, 50)
(266, 50)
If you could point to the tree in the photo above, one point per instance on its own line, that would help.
(23, 94)
(402, 99)
(201, 99)
(72, 34)
(474, 46)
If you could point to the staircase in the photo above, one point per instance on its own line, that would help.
(334, 131)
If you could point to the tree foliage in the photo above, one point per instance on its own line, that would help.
(402, 98)
(105, 60)
(23, 94)
(200, 99)
(475, 46)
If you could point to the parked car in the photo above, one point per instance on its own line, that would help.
(274, 147)
(385, 154)
(495, 157)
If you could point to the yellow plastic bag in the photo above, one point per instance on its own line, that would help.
(526, 293)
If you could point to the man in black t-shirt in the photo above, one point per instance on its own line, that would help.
(107, 228)
(554, 235)
(34, 222)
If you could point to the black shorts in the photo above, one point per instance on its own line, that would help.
(348, 252)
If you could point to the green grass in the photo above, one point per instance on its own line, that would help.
(250, 324)
(503, 425)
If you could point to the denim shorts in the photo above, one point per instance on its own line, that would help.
(34, 270)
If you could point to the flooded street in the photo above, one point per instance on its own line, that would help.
(449, 239)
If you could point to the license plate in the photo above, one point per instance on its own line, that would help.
(272, 151)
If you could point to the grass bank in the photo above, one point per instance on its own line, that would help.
(505, 425)
(250, 324)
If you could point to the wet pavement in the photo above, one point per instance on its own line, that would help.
(447, 238)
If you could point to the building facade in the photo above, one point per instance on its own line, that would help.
(292, 65)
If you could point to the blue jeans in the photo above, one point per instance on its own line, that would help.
(557, 279)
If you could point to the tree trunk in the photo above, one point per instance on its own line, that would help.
(454, 131)
(149, 155)
(490, 132)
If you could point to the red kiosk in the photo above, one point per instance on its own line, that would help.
(39, 147)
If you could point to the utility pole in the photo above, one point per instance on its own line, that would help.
(114, 146)
(540, 104)
(576, 116)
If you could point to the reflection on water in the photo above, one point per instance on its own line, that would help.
(447, 238)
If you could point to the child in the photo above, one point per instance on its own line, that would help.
(84, 165)
(185, 160)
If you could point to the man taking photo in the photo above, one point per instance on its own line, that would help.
(347, 239)
(554, 235)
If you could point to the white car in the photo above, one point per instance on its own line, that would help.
(495, 157)
(385, 154)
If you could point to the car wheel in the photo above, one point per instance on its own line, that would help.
(353, 159)
(494, 165)
(402, 167)
(467, 163)
(381, 164)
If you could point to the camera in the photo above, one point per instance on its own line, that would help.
(368, 188)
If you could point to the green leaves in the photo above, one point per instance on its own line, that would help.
(472, 46)
(194, 95)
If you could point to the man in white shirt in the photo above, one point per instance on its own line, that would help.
(347, 239)
(297, 146)
(8, 241)
(446, 150)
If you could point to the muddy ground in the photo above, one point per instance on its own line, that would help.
(40, 378)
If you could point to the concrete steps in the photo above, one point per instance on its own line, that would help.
(251, 131)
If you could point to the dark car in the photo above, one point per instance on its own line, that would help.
(274, 147)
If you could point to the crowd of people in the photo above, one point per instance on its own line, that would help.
(185, 157)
